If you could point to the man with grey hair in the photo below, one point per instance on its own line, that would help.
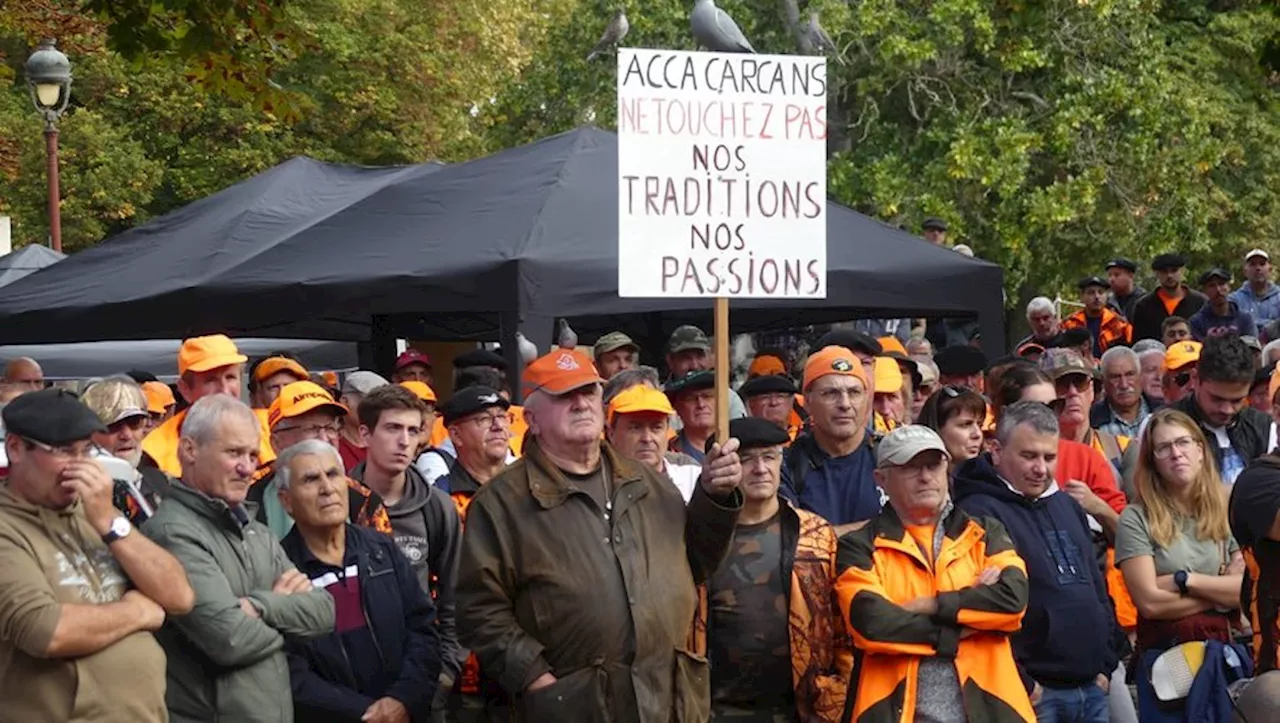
(1065, 650)
(381, 661)
(608, 640)
(1042, 316)
(226, 658)
(122, 407)
(1151, 367)
(628, 378)
(1124, 406)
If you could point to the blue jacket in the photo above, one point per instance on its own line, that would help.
(840, 491)
(1204, 323)
(1068, 632)
(1208, 700)
(336, 682)
(1262, 307)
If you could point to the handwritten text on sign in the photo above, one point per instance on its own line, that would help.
(722, 170)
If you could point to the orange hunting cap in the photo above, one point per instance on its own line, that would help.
(559, 372)
(832, 360)
(891, 344)
(202, 353)
(299, 398)
(1180, 355)
(888, 375)
(159, 397)
(423, 392)
(640, 398)
(766, 365)
(276, 364)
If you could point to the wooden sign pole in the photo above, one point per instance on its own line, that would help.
(723, 365)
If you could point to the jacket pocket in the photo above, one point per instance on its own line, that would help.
(691, 690)
(578, 696)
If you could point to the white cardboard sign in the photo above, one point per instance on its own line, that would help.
(722, 175)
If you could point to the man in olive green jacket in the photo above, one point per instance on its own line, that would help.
(226, 659)
(576, 586)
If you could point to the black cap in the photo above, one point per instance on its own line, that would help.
(470, 400)
(694, 380)
(960, 360)
(1214, 274)
(1089, 281)
(753, 432)
(1122, 263)
(1168, 261)
(851, 340)
(51, 416)
(141, 376)
(768, 384)
(936, 224)
(479, 358)
(1262, 376)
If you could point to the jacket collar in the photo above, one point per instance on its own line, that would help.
(232, 518)
(296, 546)
(460, 480)
(892, 534)
(551, 488)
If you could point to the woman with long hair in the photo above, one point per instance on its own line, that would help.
(956, 414)
(1174, 545)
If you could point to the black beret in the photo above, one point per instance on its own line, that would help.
(1088, 281)
(694, 380)
(1072, 337)
(51, 416)
(960, 360)
(1168, 261)
(470, 400)
(851, 340)
(767, 384)
(479, 358)
(1122, 263)
(934, 223)
(1214, 274)
(754, 432)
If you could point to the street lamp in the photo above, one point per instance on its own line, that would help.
(49, 78)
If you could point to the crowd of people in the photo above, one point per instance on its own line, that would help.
(893, 531)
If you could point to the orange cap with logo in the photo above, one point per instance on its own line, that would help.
(833, 360)
(276, 364)
(766, 365)
(559, 372)
(421, 390)
(1180, 355)
(299, 398)
(203, 353)
(888, 375)
(640, 398)
(159, 397)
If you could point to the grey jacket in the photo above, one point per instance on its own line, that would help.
(224, 665)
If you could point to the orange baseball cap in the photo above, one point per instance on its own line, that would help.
(833, 360)
(891, 345)
(640, 398)
(159, 397)
(559, 372)
(1180, 355)
(299, 398)
(888, 375)
(202, 353)
(766, 365)
(276, 364)
(423, 392)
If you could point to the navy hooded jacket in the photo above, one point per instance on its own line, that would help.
(1067, 635)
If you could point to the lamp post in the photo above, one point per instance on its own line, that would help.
(49, 78)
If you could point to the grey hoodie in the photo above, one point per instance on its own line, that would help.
(427, 530)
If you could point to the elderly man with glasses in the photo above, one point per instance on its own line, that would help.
(303, 411)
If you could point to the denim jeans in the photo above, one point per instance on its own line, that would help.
(1086, 704)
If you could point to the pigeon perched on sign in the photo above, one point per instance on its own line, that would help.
(613, 34)
(715, 30)
(566, 337)
(818, 36)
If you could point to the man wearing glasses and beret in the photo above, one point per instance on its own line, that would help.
(83, 590)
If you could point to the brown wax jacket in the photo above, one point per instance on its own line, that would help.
(546, 574)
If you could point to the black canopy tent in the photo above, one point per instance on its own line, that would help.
(26, 261)
(471, 251)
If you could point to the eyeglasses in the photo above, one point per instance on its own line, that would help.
(315, 430)
(832, 396)
(63, 451)
(769, 456)
(1165, 449)
(1079, 382)
(484, 421)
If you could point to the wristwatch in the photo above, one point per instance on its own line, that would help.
(120, 528)
(1180, 579)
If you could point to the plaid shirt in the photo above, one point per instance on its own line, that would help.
(1116, 425)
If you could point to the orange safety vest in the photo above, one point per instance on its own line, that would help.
(161, 445)
(1113, 331)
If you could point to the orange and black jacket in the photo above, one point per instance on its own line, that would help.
(1113, 331)
(882, 568)
(821, 651)
(364, 506)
